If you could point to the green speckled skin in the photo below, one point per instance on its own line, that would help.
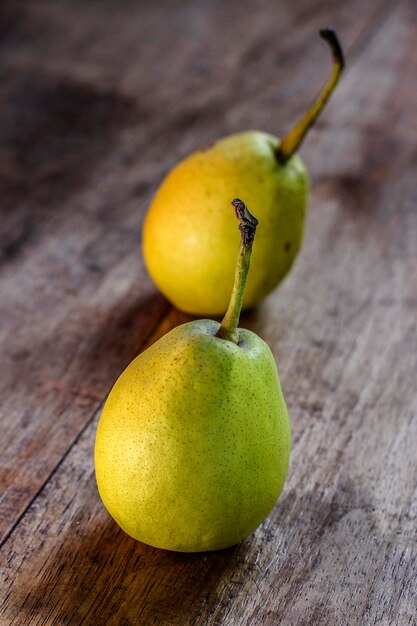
(193, 444)
(190, 235)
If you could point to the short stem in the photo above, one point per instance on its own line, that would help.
(247, 226)
(293, 139)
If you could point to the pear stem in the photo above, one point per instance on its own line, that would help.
(293, 139)
(247, 226)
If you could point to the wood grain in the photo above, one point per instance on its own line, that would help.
(87, 135)
(340, 547)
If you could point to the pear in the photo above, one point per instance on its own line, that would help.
(188, 213)
(193, 444)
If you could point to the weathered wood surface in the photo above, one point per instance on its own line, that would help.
(89, 130)
(99, 100)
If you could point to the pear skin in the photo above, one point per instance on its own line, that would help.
(197, 276)
(193, 444)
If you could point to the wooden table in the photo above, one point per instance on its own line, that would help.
(99, 99)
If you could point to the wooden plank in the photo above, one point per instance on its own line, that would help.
(340, 547)
(86, 136)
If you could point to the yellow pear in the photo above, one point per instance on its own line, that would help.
(193, 444)
(188, 213)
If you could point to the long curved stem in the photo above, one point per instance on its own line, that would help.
(247, 226)
(293, 139)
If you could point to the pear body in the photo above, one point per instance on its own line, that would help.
(193, 444)
(190, 236)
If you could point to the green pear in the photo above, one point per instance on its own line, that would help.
(188, 213)
(193, 444)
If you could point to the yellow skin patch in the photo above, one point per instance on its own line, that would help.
(190, 236)
(193, 444)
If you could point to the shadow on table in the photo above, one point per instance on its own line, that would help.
(100, 575)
